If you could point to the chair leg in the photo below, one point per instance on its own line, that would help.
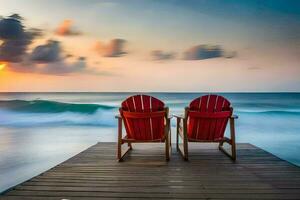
(177, 135)
(232, 135)
(119, 150)
(167, 148)
(122, 155)
(185, 138)
(177, 143)
(184, 151)
(185, 148)
(233, 151)
(230, 141)
(130, 146)
(119, 147)
(170, 142)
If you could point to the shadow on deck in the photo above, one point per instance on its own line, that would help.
(95, 173)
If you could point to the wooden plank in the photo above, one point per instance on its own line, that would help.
(95, 173)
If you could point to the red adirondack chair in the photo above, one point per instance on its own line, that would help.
(146, 119)
(205, 120)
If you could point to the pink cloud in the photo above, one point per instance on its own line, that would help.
(115, 48)
(66, 28)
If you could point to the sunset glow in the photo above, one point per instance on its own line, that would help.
(147, 45)
(2, 66)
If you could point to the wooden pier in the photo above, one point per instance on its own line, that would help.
(144, 174)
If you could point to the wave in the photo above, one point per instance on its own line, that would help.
(103, 118)
(271, 112)
(45, 106)
(23, 113)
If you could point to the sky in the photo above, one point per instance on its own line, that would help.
(150, 46)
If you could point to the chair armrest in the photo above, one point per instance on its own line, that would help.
(118, 117)
(178, 116)
(169, 117)
(234, 117)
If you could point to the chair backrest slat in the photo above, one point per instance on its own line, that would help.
(144, 117)
(207, 117)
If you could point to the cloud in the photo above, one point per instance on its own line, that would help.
(49, 52)
(52, 61)
(66, 28)
(59, 68)
(160, 55)
(63, 68)
(113, 49)
(15, 38)
(48, 58)
(79, 66)
(16, 16)
(24, 67)
(201, 52)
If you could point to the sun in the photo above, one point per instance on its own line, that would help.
(2, 65)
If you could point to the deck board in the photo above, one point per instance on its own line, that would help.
(95, 173)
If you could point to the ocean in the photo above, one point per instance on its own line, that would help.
(40, 130)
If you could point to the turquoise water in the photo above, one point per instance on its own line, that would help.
(40, 130)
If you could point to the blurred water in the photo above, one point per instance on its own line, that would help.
(40, 130)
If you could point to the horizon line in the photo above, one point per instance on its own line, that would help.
(190, 92)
